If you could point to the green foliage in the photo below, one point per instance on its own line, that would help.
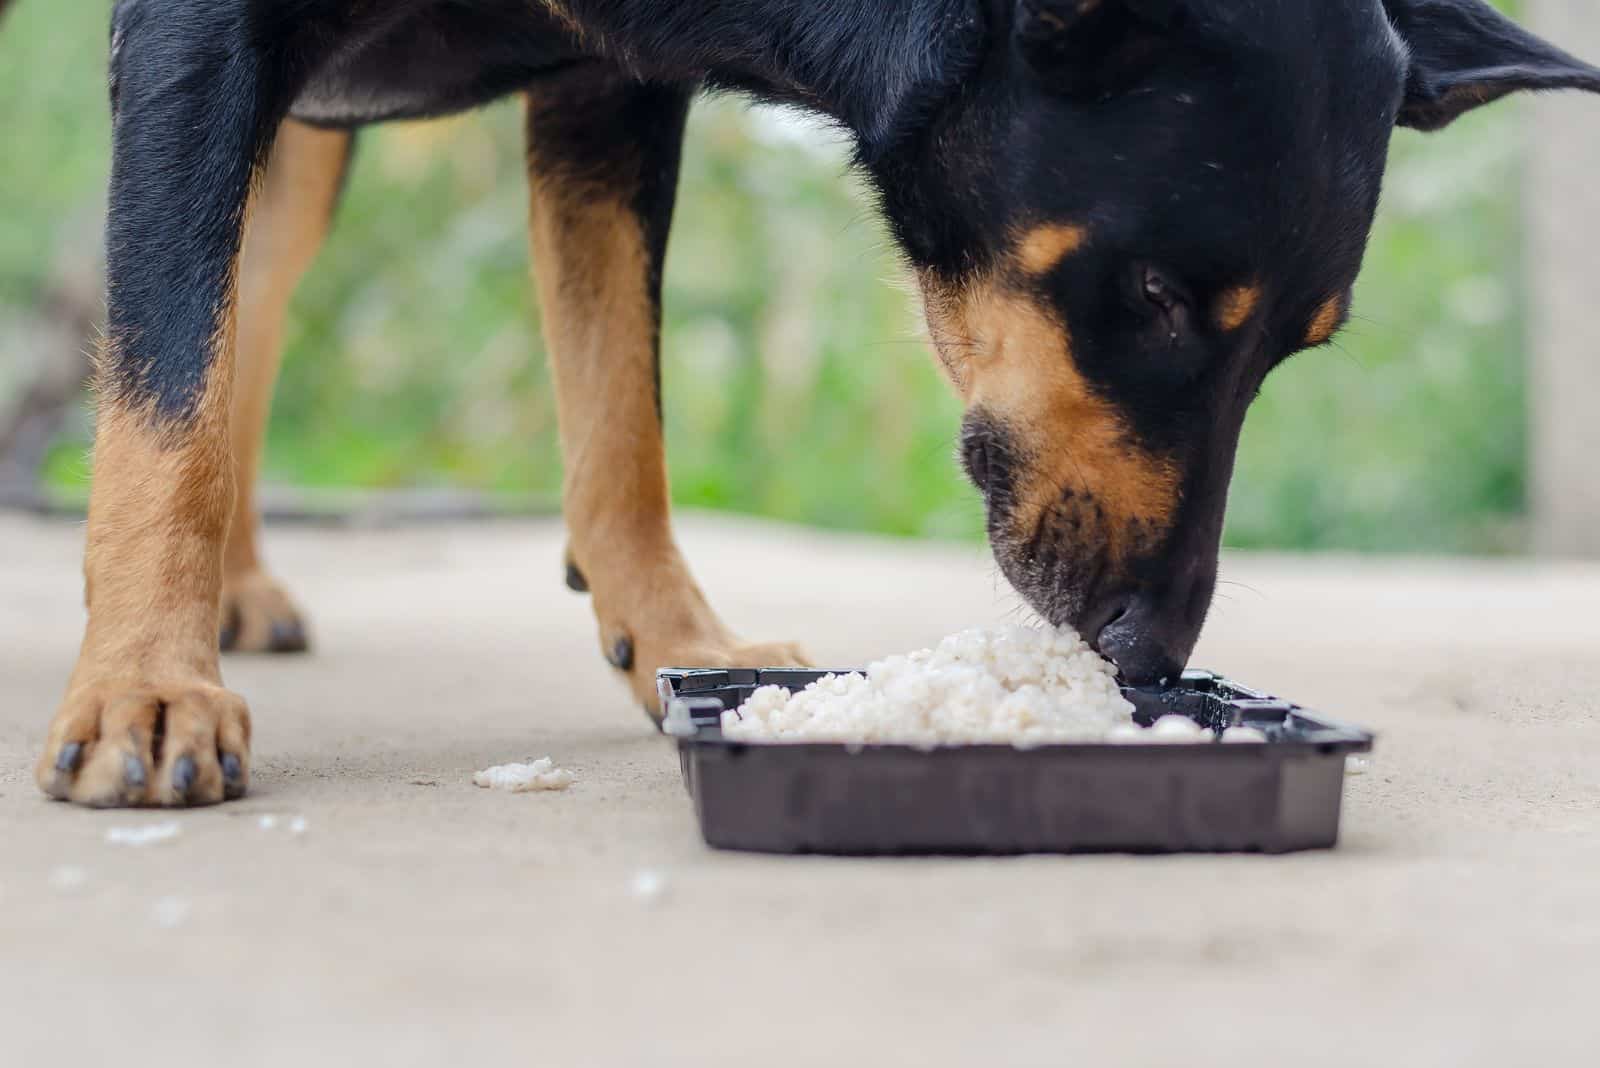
(796, 383)
(1408, 432)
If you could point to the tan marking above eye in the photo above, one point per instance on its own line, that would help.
(1012, 357)
(1325, 322)
(1236, 306)
(1042, 248)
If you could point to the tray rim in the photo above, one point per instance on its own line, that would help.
(1342, 737)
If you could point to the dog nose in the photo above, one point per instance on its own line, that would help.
(1133, 632)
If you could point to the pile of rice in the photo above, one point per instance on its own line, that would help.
(1021, 686)
(541, 774)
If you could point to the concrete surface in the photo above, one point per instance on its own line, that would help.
(422, 921)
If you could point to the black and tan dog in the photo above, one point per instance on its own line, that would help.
(1122, 213)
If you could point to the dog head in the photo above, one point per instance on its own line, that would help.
(1130, 216)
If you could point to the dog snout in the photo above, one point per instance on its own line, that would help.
(1149, 633)
(1102, 614)
(1145, 648)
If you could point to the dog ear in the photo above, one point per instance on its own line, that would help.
(1073, 41)
(1465, 54)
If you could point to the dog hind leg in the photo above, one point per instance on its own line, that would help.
(603, 167)
(293, 208)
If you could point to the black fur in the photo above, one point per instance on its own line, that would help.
(1214, 142)
(189, 131)
(431, 59)
(1465, 54)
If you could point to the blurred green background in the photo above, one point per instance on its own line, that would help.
(797, 384)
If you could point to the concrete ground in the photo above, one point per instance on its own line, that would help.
(418, 920)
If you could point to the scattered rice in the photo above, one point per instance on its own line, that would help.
(542, 774)
(1024, 686)
(144, 834)
(169, 912)
(68, 877)
(648, 886)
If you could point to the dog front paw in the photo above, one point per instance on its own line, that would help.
(664, 621)
(639, 655)
(121, 744)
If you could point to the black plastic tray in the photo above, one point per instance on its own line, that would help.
(1275, 797)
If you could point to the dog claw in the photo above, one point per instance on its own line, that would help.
(288, 636)
(132, 771)
(232, 776)
(575, 580)
(620, 656)
(68, 759)
(65, 768)
(183, 776)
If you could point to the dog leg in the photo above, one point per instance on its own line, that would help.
(145, 719)
(603, 163)
(293, 208)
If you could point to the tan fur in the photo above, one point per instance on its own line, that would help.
(592, 270)
(1042, 248)
(1325, 322)
(158, 515)
(290, 217)
(1010, 357)
(1236, 306)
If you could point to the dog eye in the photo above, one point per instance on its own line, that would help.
(1161, 291)
(1163, 302)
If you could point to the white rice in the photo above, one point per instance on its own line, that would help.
(169, 912)
(144, 834)
(68, 877)
(542, 774)
(1021, 686)
(648, 886)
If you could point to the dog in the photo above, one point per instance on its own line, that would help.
(1121, 214)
